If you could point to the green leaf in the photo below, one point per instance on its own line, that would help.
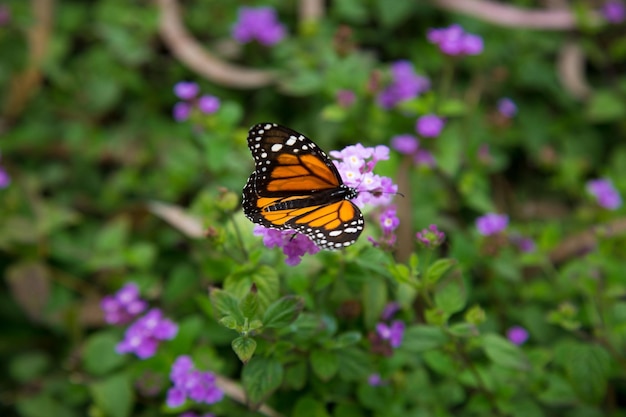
(229, 322)
(261, 377)
(392, 12)
(418, 339)
(504, 353)
(354, 364)
(374, 298)
(587, 369)
(451, 296)
(283, 312)
(324, 363)
(244, 347)
(438, 269)
(99, 355)
(296, 375)
(114, 395)
(42, 405)
(249, 304)
(264, 278)
(28, 366)
(309, 407)
(347, 339)
(606, 106)
(226, 304)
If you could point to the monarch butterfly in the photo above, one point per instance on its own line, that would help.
(296, 186)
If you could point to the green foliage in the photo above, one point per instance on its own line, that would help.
(106, 188)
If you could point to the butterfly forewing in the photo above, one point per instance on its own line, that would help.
(296, 186)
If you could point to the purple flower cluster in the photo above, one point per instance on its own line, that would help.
(430, 237)
(453, 40)
(5, 179)
(605, 193)
(143, 336)
(260, 24)
(492, 223)
(390, 310)
(507, 107)
(524, 244)
(191, 383)
(356, 164)
(614, 11)
(374, 380)
(388, 223)
(517, 335)
(393, 332)
(405, 85)
(294, 245)
(122, 307)
(410, 145)
(188, 92)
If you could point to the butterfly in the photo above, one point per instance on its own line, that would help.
(295, 186)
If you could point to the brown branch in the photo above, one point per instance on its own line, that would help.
(191, 53)
(511, 16)
(24, 85)
(571, 67)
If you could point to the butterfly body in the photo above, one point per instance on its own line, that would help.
(296, 186)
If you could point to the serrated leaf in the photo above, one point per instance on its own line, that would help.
(504, 353)
(587, 370)
(310, 407)
(264, 278)
(438, 269)
(244, 347)
(229, 322)
(114, 395)
(347, 339)
(418, 339)
(296, 375)
(260, 378)
(354, 364)
(451, 296)
(249, 304)
(324, 364)
(283, 312)
(226, 305)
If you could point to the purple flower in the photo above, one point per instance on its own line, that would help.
(507, 107)
(123, 306)
(524, 244)
(390, 310)
(405, 85)
(453, 40)
(388, 220)
(429, 126)
(614, 11)
(208, 104)
(374, 380)
(605, 193)
(431, 237)
(393, 333)
(181, 111)
(258, 23)
(186, 90)
(294, 245)
(143, 336)
(5, 179)
(406, 144)
(492, 223)
(517, 335)
(355, 166)
(191, 383)
(346, 98)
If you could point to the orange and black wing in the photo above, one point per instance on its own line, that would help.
(296, 186)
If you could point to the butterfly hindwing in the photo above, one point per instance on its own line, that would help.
(296, 186)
